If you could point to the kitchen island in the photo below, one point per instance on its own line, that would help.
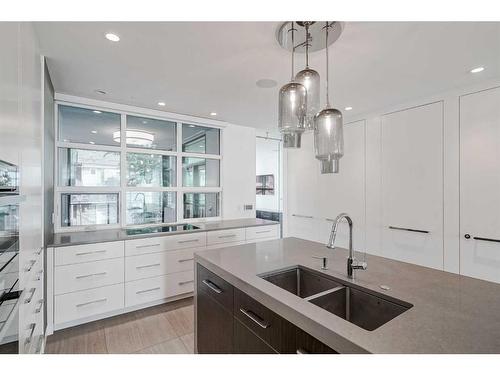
(444, 312)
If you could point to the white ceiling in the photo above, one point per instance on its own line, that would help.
(200, 67)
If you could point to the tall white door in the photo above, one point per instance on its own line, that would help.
(412, 185)
(480, 185)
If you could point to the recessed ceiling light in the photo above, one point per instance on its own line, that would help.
(162, 104)
(92, 143)
(93, 131)
(192, 126)
(144, 122)
(99, 91)
(213, 113)
(266, 83)
(97, 112)
(348, 108)
(112, 37)
(477, 70)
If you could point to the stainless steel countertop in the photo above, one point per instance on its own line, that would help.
(88, 237)
(450, 313)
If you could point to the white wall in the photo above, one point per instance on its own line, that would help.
(268, 161)
(238, 172)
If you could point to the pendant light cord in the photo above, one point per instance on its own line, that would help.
(307, 46)
(327, 67)
(293, 50)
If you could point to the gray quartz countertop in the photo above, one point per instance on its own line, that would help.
(450, 313)
(96, 236)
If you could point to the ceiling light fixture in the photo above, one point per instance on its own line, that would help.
(161, 104)
(135, 137)
(92, 143)
(213, 113)
(479, 69)
(93, 131)
(348, 108)
(112, 37)
(95, 111)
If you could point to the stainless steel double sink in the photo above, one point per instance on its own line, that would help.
(365, 308)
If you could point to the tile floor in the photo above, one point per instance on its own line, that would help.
(163, 329)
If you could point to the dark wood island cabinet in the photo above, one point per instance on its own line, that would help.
(230, 321)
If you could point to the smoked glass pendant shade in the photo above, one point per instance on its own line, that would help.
(309, 78)
(292, 113)
(329, 139)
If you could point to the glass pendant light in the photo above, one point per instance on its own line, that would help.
(292, 108)
(328, 130)
(310, 79)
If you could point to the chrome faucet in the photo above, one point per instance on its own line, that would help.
(352, 263)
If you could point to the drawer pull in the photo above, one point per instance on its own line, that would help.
(39, 275)
(148, 266)
(302, 351)
(185, 260)
(92, 302)
(147, 290)
(486, 239)
(303, 216)
(39, 251)
(263, 231)
(227, 236)
(32, 291)
(185, 282)
(39, 346)
(91, 252)
(29, 266)
(212, 286)
(188, 241)
(255, 318)
(40, 306)
(151, 245)
(90, 275)
(409, 229)
(31, 330)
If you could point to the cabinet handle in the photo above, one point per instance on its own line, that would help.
(147, 290)
(151, 245)
(31, 330)
(39, 251)
(39, 308)
(148, 266)
(90, 275)
(212, 286)
(29, 266)
(91, 302)
(39, 275)
(303, 216)
(187, 241)
(485, 239)
(227, 236)
(302, 351)
(409, 229)
(185, 260)
(185, 282)
(263, 231)
(32, 291)
(39, 346)
(91, 252)
(255, 318)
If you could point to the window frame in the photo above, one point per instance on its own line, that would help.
(122, 148)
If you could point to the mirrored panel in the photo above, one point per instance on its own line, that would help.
(199, 205)
(151, 170)
(150, 133)
(151, 207)
(88, 167)
(200, 139)
(91, 126)
(89, 209)
(200, 172)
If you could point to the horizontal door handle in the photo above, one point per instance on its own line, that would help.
(148, 266)
(187, 241)
(303, 216)
(40, 306)
(185, 282)
(90, 275)
(263, 231)
(31, 330)
(143, 246)
(39, 346)
(486, 239)
(185, 260)
(32, 291)
(92, 252)
(29, 266)
(255, 318)
(212, 286)
(91, 302)
(409, 229)
(227, 236)
(147, 290)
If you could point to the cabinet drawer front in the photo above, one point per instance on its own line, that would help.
(88, 253)
(78, 305)
(246, 342)
(166, 243)
(227, 235)
(216, 287)
(155, 288)
(258, 318)
(180, 260)
(157, 264)
(227, 244)
(268, 231)
(75, 277)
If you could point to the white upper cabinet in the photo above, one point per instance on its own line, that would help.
(480, 185)
(412, 185)
(344, 191)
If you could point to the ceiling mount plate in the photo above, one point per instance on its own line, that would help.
(316, 32)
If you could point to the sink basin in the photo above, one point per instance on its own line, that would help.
(358, 307)
(362, 307)
(300, 281)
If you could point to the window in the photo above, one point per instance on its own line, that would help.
(162, 172)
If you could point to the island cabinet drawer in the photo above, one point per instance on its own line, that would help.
(259, 319)
(216, 287)
(268, 231)
(227, 235)
(86, 303)
(81, 276)
(156, 288)
(88, 253)
(156, 264)
(296, 341)
(166, 243)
